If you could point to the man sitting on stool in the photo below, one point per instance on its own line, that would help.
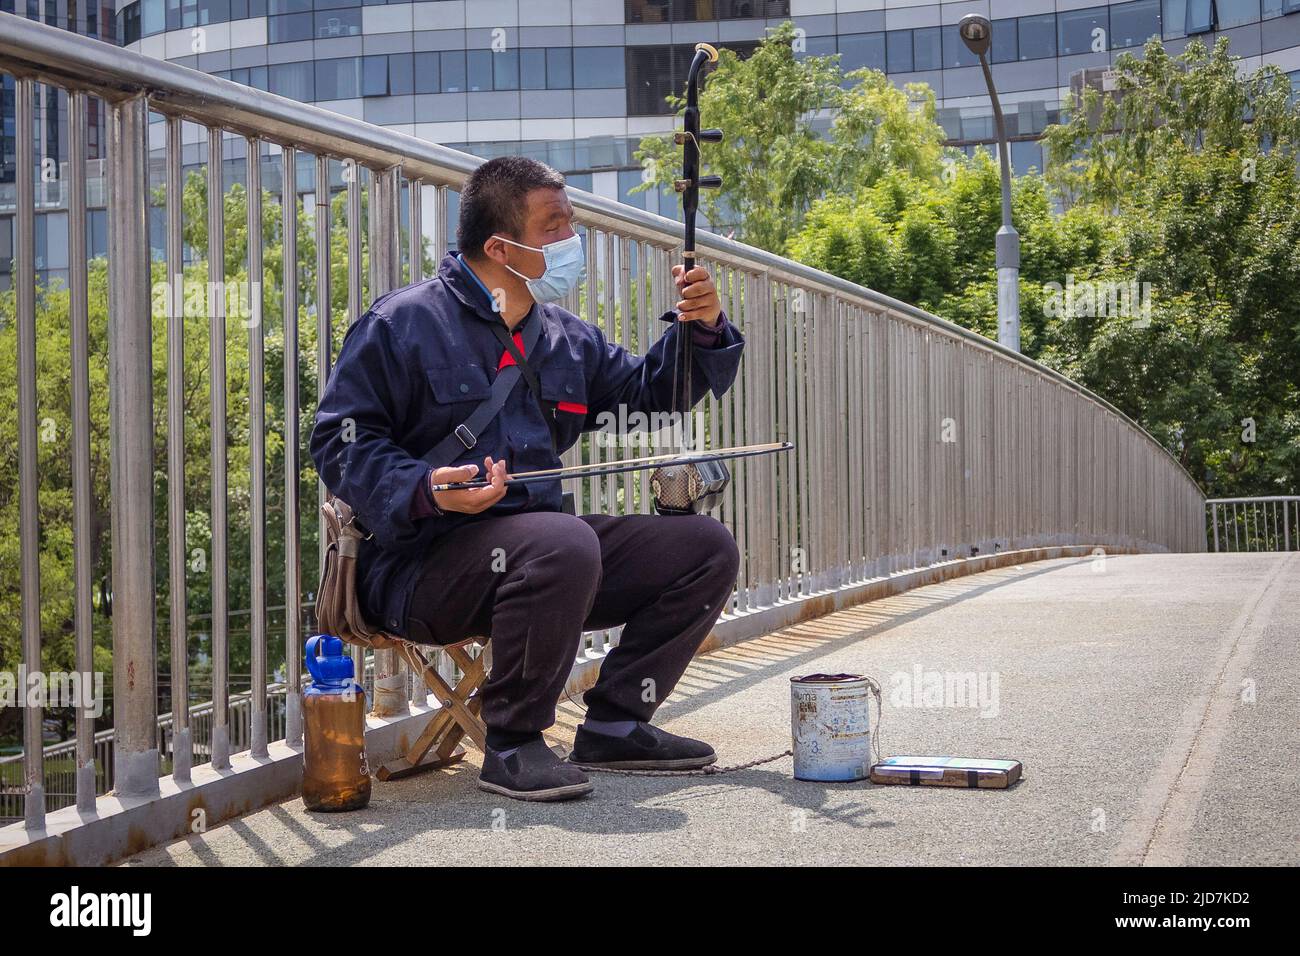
(505, 561)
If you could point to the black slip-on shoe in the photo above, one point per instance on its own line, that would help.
(645, 748)
(532, 772)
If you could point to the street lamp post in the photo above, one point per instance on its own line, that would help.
(977, 33)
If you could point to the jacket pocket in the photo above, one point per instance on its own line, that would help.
(457, 391)
(565, 386)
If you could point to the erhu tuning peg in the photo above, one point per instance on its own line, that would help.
(710, 182)
(710, 135)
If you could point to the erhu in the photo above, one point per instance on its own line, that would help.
(690, 487)
(693, 482)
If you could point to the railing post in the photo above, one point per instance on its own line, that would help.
(385, 273)
(28, 497)
(217, 559)
(130, 372)
(182, 743)
(256, 450)
(292, 465)
(83, 558)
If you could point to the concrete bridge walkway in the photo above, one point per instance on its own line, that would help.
(1154, 700)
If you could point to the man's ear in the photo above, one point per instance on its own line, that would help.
(496, 250)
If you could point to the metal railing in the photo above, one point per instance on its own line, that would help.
(1268, 523)
(917, 440)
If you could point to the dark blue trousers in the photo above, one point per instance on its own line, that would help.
(534, 582)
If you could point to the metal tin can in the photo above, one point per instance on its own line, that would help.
(830, 722)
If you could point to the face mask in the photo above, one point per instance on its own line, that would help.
(566, 266)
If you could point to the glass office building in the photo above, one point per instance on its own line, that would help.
(577, 83)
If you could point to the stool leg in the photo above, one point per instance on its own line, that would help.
(443, 732)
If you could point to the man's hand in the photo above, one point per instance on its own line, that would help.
(469, 500)
(700, 301)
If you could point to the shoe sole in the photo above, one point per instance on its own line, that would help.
(681, 763)
(553, 794)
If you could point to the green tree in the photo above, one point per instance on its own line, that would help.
(774, 161)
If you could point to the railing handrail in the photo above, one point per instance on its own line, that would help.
(1243, 499)
(79, 62)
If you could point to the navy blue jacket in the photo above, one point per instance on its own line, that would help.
(418, 363)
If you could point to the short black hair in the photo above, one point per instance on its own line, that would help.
(493, 199)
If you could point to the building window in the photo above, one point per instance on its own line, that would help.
(1235, 13)
(505, 70)
(294, 80)
(955, 52)
(401, 78)
(1006, 41)
(337, 79)
(1037, 36)
(1132, 24)
(532, 69)
(600, 67)
(898, 51)
(153, 18)
(338, 23)
(559, 68)
(131, 24)
(927, 48)
(290, 27)
(428, 78)
(858, 50)
(374, 76)
(687, 11)
(1200, 16)
(1174, 21)
(652, 72)
(1077, 31)
(454, 77)
(478, 70)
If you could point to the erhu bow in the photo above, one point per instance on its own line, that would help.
(692, 486)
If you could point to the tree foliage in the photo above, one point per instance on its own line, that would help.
(1182, 189)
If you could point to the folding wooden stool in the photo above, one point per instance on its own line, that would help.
(439, 744)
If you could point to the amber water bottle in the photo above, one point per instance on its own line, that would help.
(335, 775)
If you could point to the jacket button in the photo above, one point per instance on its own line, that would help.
(568, 389)
(464, 387)
(393, 623)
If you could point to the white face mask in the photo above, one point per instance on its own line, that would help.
(566, 267)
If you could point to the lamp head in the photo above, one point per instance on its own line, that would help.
(976, 32)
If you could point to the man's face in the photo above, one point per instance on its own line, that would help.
(548, 218)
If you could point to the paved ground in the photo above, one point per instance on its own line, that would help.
(1154, 700)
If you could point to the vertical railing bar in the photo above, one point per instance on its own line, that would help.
(218, 559)
(28, 493)
(292, 450)
(256, 450)
(352, 176)
(415, 229)
(743, 305)
(612, 334)
(440, 216)
(643, 308)
(182, 742)
(384, 225)
(135, 680)
(627, 339)
(352, 173)
(324, 323)
(593, 317)
(83, 559)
